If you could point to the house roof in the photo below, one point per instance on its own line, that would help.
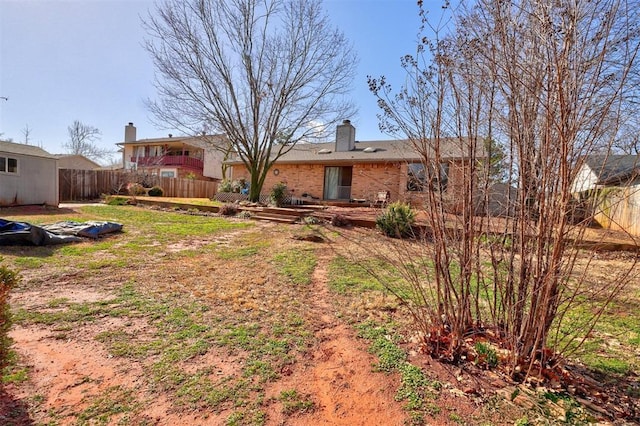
(75, 161)
(23, 149)
(197, 141)
(366, 152)
(613, 168)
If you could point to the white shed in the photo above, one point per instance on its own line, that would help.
(28, 175)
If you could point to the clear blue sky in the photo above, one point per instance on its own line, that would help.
(69, 60)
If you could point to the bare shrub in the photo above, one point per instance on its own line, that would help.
(229, 209)
(340, 220)
(548, 83)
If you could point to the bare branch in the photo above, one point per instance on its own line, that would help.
(259, 71)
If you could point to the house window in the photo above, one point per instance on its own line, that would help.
(8, 165)
(167, 173)
(420, 178)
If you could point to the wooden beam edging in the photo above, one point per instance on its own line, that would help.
(421, 229)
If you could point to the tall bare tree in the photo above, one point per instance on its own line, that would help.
(26, 132)
(267, 73)
(82, 141)
(548, 80)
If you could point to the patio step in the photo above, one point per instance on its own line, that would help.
(284, 211)
(275, 217)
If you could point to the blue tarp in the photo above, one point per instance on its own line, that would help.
(12, 233)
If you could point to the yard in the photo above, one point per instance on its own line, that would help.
(187, 319)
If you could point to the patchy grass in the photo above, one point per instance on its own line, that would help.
(416, 390)
(612, 349)
(215, 311)
(296, 265)
(116, 402)
(145, 232)
(294, 402)
(353, 277)
(179, 333)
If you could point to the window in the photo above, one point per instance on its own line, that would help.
(8, 165)
(418, 179)
(12, 165)
(167, 173)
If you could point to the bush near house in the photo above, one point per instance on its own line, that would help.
(397, 220)
(278, 194)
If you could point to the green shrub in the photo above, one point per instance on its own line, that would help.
(278, 194)
(228, 210)
(156, 191)
(397, 220)
(136, 189)
(224, 186)
(116, 201)
(487, 355)
(8, 279)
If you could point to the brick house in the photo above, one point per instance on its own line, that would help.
(173, 156)
(349, 170)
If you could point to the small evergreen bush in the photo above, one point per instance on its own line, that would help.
(278, 194)
(156, 191)
(397, 220)
(8, 279)
(224, 186)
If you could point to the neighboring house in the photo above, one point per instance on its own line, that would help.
(599, 171)
(76, 162)
(607, 190)
(173, 156)
(350, 170)
(28, 175)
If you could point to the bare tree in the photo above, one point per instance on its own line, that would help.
(82, 141)
(548, 80)
(27, 134)
(267, 73)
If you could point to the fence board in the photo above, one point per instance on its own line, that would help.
(620, 210)
(82, 185)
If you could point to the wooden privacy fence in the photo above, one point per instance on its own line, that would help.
(618, 208)
(80, 185)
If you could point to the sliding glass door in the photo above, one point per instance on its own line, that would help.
(337, 183)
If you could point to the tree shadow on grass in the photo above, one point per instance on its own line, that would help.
(36, 210)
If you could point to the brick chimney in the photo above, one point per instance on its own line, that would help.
(130, 133)
(345, 137)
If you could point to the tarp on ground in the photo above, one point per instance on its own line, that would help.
(23, 233)
(83, 229)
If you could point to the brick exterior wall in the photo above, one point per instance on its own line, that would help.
(367, 180)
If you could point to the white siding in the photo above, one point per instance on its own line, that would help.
(35, 183)
(585, 180)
